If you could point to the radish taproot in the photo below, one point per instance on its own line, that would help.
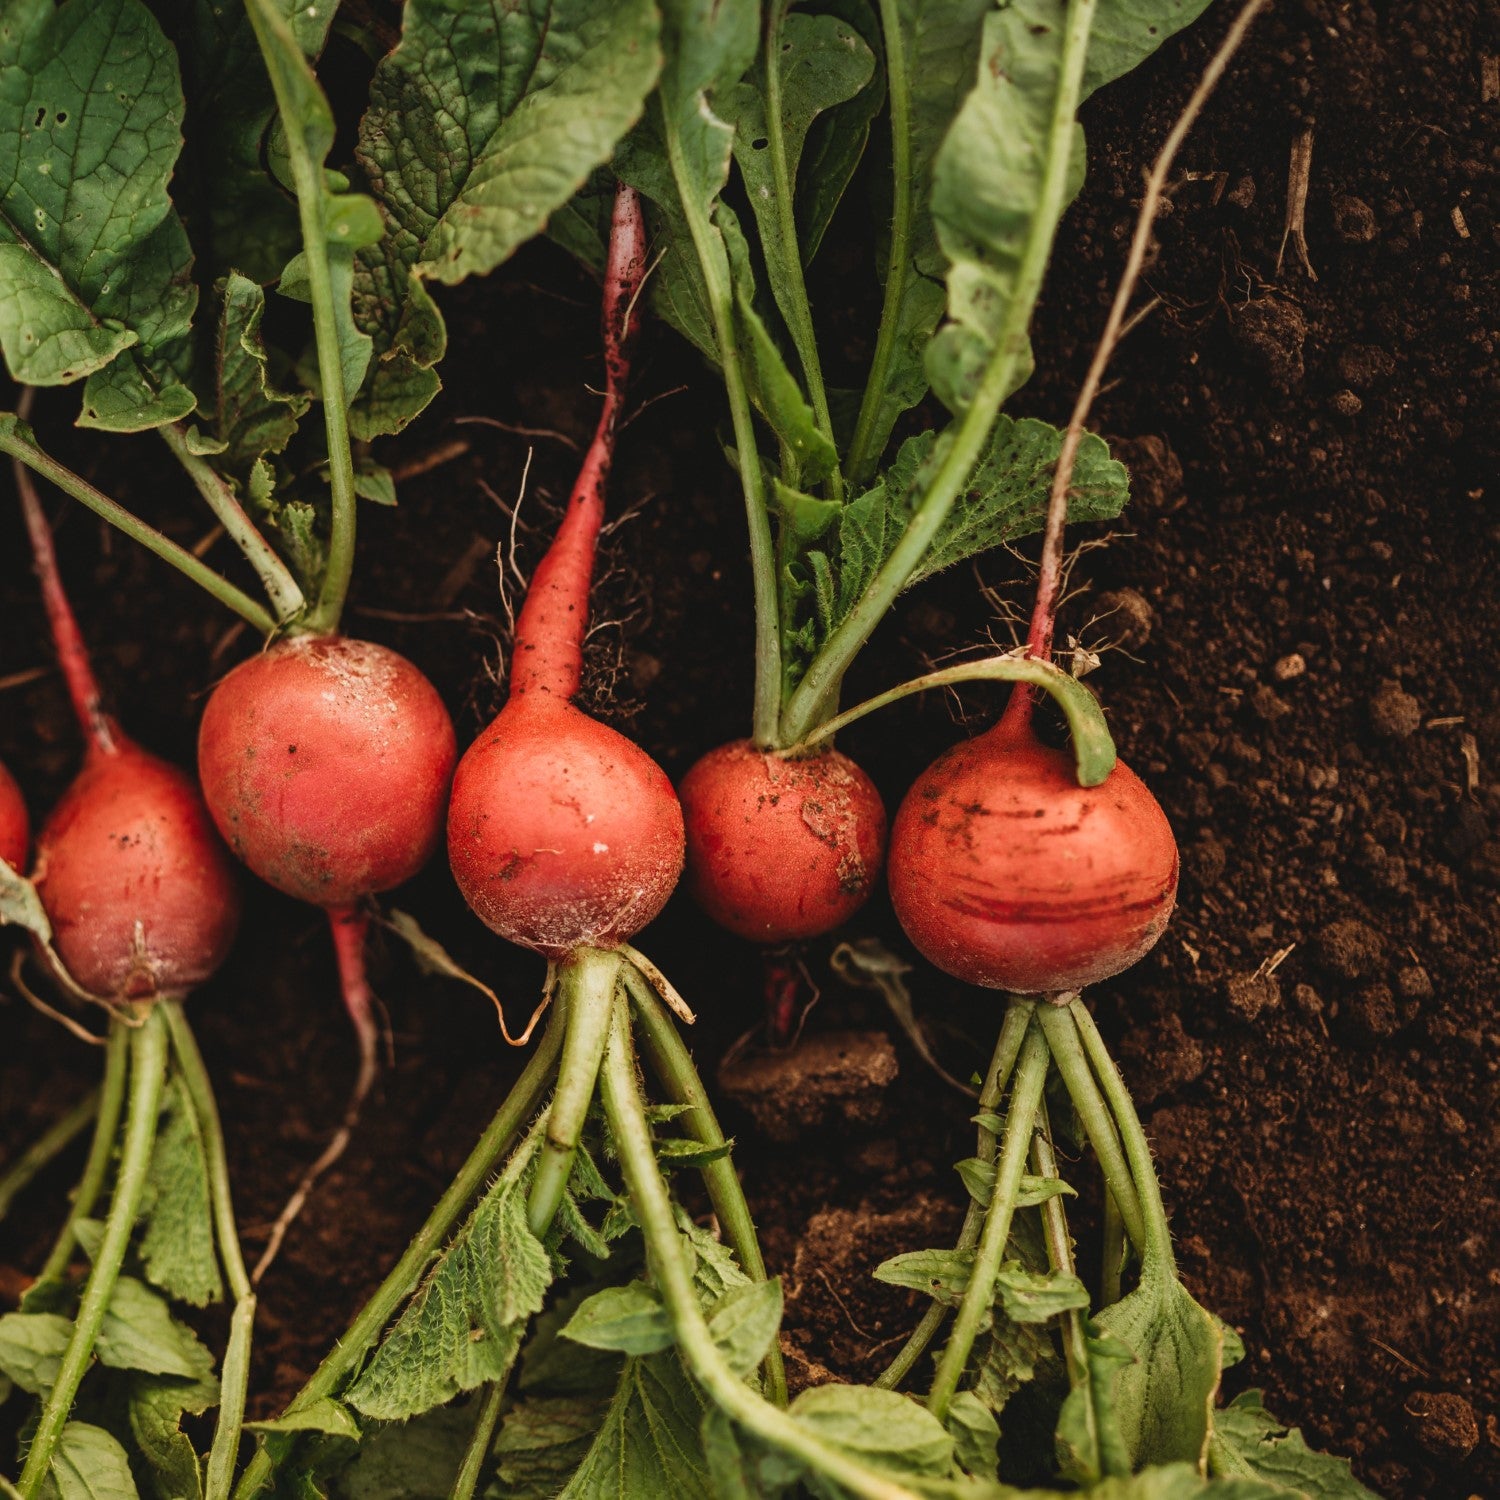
(781, 847)
(562, 834)
(142, 905)
(15, 822)
(1006, 873)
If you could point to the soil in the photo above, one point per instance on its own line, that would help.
(1297, 620)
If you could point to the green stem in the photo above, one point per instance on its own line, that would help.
(148, 1069)
(863, 454)
(586, 983)
(967, 443)
(979, 1295)
(1157, 1242)
(46, 1148)
(1094, 1114)
(791, 295)
(234, 1379)
(1113, 1237)
(520, 1104)
(1075, 1337)
(480, 1440)
(281, 588)
(15, 440)
(712, 261)
(673, 1065)
(1002, 1063)
(307, 179)
(101, 1152)
(670, 1268)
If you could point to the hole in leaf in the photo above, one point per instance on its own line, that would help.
(759, 143)
(41, 115)
(62, 117)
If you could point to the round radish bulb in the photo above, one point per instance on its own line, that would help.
(325, 762)
(780, 849)
(1008, 874)
(561, 832)
(15, 823)
(139, 891)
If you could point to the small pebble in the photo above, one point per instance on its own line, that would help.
(1346, 403)
(1289, 667)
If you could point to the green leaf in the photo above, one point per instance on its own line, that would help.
(1248, 1441)
(88, 1464)
(882, 1428)
(31, 1348)
(630, 1319)
(140, 1333)
(349, 221)
(647, 1442)
(135, 394)
(239, 219)
(93, 259)
(251, 418)
(1010, 1355)
(979, 1177)
(464, 1325)
(542, 1442)
(156, 1406)
(1038, 1296)
(417, 1460)
(939, 40)
(324, 1415)
(987, 176)
(177, 1241)
(717, 1272)
(1005, 499)
(823, 62)
(976, 1436)
(745, 1322)
(836, 141)
(942, 1274)
(482, 123)
(1089, 1442)
(1164, 1398)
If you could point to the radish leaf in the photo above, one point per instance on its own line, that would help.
(32, 1345)
(140, 1333)
(177, 1240)
(987, 176)
(93, 258)
(1089, 1442)
(156, 1405)
(1249, 1442)
(481, 125)
(250, 417)
(89, 1464)
(629, 1319)
(1165, 1396)
(464, 1325)
(882, 1428)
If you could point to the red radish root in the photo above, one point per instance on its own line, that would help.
(561, 832)
(140, 894)
(325, 762)
(779, 848)
(1007, 874)
(15, 823)
(139, 891)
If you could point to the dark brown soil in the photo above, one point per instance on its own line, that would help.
(1304, 675)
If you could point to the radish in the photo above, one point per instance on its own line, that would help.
(326, 762)
(15, 822)
(781, 847)
(562, 834)
(1006, 873)
(142, 904)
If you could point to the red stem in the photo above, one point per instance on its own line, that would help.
(548, 654)
(350, 926)
(67, 639)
